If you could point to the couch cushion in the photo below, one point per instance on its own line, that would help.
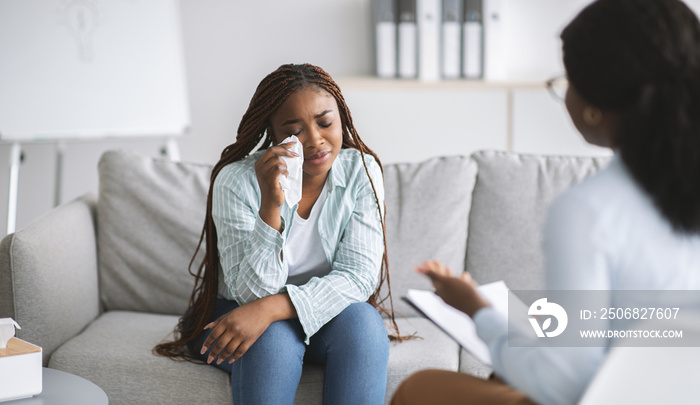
(432, 349)
(51, 264)
(427, 208)
(470, 365)
(509, 204)
(150, 215)
(114, 352)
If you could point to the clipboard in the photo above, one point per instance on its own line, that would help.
(456, 324)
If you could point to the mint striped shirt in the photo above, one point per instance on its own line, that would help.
(350, 229)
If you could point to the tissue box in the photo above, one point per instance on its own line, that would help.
(20, 370)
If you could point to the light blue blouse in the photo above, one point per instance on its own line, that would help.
(350, 229)
(602, 234)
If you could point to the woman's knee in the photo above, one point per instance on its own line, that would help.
(361, 328)
(270, 370)
(282, 339)
(281, 345)
(368, 316)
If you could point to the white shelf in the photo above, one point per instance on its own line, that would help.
(371, 82)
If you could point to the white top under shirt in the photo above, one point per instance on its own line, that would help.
(304, 252)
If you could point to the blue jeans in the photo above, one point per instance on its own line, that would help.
(353, 346)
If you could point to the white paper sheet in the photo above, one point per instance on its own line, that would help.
(458, 325)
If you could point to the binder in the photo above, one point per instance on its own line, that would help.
(494, 47)
(451, 39)
(408, 46)
(472, 63)
(385, 36)
(428, 14)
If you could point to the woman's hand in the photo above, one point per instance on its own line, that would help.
(236, 331)
(268, 169)
(459, 292)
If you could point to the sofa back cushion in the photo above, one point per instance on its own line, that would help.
(427, 207)
(509, 205)
(150, 214)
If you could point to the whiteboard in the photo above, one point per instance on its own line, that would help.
(90, 69)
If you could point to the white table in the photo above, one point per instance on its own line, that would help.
(61, 388)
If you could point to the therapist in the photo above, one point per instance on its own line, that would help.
(633, 68)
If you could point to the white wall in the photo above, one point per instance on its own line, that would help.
(532, 36)
(415, 124)
(231, 44)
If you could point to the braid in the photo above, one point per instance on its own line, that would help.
(272, 91)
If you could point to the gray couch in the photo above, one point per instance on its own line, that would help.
(97, 282)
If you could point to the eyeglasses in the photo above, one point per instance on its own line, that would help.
(557, 87)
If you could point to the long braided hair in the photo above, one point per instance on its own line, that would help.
(642, 59)
(253, 130)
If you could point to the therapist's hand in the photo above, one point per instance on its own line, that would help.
(459, 292)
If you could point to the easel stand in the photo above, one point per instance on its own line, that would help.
(15, 156)
(171, 150)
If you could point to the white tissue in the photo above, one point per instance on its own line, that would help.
(7, 331)
(291, 184)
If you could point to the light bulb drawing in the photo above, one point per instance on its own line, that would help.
(81, 19)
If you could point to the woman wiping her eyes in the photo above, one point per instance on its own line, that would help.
(284, 283)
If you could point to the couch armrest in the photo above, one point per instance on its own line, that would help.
(48, 275)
